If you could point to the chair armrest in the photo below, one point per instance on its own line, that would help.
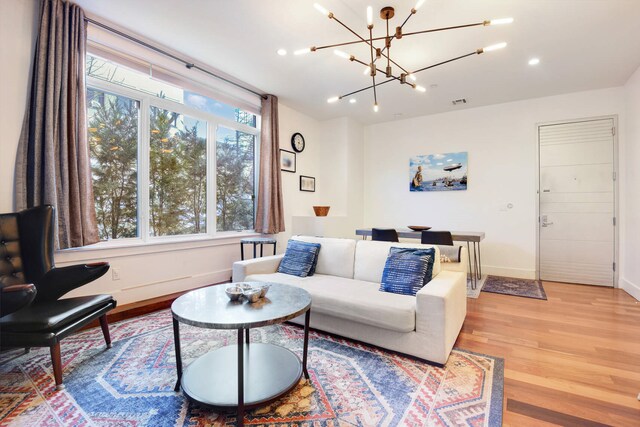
(15, 297)
(264, 265)
(462, 266)
(58, 281)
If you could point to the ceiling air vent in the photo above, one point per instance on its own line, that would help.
(459, 101)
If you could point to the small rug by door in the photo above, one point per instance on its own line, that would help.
(351, 383)
(516, 287)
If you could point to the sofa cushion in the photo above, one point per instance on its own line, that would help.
(299, 258)
(407, 270)
(336, 255)
(371, 257)
(352, 300)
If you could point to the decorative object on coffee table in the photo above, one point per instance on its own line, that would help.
(516, 287)
(307, 183)
(321, 210)
(255, 241)
(287, 161)
(273, 370)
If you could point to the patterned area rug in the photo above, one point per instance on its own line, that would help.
(517, 287)
(351, 384)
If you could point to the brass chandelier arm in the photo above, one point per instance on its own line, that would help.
(329, 46)
(476, 52)
(373, 73)
(362, 40)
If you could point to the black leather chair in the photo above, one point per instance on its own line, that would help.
(384, 234)
(436, 238)
(32, 313)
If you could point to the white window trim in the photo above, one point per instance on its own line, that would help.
(147, 101)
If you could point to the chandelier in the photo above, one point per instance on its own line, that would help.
(383, 54)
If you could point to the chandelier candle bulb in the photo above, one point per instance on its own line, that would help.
(501, 21)
(494, 47)
(321, 9)
(412, 77)
(370, 17)
(375, 108)
(420, 88)
(302, 51)
(367, 70)
(333, 99)
(342, 54)
(419, 5)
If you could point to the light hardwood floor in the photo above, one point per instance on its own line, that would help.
(571, 360)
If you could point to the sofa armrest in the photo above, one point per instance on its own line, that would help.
(441, 307)
(462, 266)
(264, 265)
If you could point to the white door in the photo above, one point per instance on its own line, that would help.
(577, 205)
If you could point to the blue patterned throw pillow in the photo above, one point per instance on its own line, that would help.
(300, 258)
(407, 270)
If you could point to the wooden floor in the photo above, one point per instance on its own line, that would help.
(571, 360)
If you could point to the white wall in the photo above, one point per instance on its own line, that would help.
(630, 278)
(17, 34)
(501, 142)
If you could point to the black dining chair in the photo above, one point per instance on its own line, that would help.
(32, 313)
(384, 235)
(437, 238)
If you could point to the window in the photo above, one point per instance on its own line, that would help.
(166, 161)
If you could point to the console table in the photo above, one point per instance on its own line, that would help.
(470, 237)
(217, 379)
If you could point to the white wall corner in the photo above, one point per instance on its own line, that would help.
(630, 288)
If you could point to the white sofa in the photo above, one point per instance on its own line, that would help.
(346, 299)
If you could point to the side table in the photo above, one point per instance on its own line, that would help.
(255, 241)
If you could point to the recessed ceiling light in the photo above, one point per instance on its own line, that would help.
(282, 52)
(534, 61)
(352, 101)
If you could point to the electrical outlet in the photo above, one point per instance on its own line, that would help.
(115, 274)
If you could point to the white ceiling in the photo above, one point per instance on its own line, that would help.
(582, 44)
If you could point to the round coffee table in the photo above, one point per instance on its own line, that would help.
(263, 371)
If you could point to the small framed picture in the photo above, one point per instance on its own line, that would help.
(287, 161)
(307, 183)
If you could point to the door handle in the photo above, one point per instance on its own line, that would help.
(546, 224)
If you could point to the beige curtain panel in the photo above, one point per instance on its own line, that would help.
(269, 213)
(52, 164)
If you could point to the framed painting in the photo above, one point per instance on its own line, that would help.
(287, 161)
(307, 183)
(438, 172)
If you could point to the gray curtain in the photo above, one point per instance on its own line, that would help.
(269, 213)
(52, 164)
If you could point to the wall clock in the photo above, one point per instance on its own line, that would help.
(297, 142)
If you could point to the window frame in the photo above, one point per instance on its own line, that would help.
(145, 102)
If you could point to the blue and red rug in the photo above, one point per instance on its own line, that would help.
(351, 384)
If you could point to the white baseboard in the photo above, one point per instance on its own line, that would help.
(518, 273)
(631, 288)
(166, 287)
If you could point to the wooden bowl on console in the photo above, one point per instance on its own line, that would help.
(419, 227)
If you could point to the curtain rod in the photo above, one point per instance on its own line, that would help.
(187, 64)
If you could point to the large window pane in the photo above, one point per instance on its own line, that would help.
(113, 142)
(177, 174)
(212, 106)
(235, 152)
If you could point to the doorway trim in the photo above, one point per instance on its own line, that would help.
(616, 197)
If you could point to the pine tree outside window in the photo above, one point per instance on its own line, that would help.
(167, 161)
